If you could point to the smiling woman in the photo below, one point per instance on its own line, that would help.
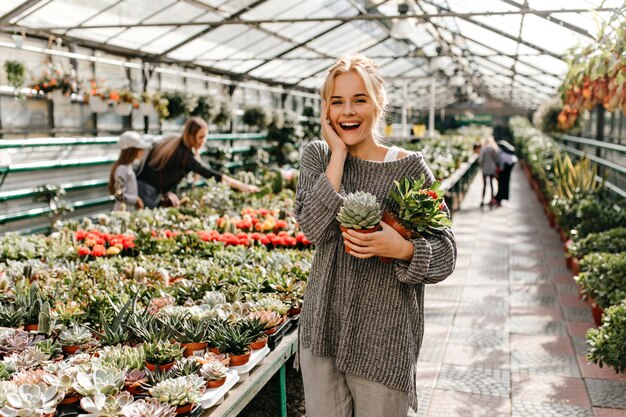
(356, 352)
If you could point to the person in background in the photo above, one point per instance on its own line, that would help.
(487, 158)
(362, 320)
(506, 161)
(172, 159)
(122, 180)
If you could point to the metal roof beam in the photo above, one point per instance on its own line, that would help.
(303, 44)
(236, 21)
(19, 10)
(550, 18)
(211, 27)
(499, 32)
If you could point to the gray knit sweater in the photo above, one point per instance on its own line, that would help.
(366, 314)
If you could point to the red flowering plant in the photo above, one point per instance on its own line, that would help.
(253, 220)
(55, 78)
(418, 208)
(97, 244)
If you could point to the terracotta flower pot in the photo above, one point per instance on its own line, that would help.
(238, 360)
(575, 266)
(393, 221)
(215, 350)
(133, 389)
(70, 399)
(70, 350)
(596, 311)
(260, 343)
(184, 408)
(215, 383)
(153, 367)
(365, 231)
(294, 311)
(33, 327)
(194, 349)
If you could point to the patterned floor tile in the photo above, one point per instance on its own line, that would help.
(431, 352)
(578, 314)
(447, 403)
(494, 310)
(544, 364)
(526, 299)
(567, 288)
(538, 312)
(549, 389)
(593, 371)
(477, 357)
(607, 394)
(608, 412)
(449, 293)
(531, 409)
(579, 328)
(546, 344)
(521, 276)
(526, 261)
(537, 325)
(483, 339)
(580, 345)
(484, 381)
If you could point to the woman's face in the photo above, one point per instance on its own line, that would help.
(351, 110)
(200, 138)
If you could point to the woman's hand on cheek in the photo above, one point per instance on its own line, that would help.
(328, 132)
(386, 242)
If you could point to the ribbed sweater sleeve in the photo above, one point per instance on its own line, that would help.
(317, 202)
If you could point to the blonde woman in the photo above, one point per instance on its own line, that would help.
(362, 321)
(172, 159)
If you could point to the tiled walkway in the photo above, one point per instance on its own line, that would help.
(505, 333)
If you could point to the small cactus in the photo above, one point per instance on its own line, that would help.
(360, 210)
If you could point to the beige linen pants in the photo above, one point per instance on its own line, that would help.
(329, 392)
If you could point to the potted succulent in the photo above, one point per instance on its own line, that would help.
(107, 381)
(215, 373)
(12, 315)
(150, 407)
(123, 357)
(361, 212)
(71, 338)
(255, 326)
(162, 354)
(269, 318)
(234, 341)
(182, 392)
(134, 381)
(101, 405)
(191, 333)
(32, 401)
(417, 209)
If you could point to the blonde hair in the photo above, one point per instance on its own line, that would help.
(368, 71)
(164, 151)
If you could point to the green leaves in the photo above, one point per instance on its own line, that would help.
(605, 346)
(420, 208)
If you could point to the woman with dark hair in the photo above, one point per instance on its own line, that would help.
(172, 159)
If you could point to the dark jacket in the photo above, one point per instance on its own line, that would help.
(182, 162)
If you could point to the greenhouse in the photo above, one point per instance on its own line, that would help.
(351, 208)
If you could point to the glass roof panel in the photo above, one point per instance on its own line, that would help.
(234, 65)
(349, 38)
(300, 32)
(301, 53)
(548, 35)
(97, 35)
(128, 38)
(171, 39)
(505, 23)
(484, 36)
(128, 12)
(490, 64)
(247, 44)
(228, 6)
(479, 6)
(389, 48)
(547, 62)
(296, 68)
(202, 45)
(7, 5)
(56, 13)
(182, 12)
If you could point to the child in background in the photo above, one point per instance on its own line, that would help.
(487, 159)
(122, 179)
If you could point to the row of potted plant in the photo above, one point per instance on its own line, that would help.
(590, 223)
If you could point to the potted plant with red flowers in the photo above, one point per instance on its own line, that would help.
(360, 211)
(416, 209)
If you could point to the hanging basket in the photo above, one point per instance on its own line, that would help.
(97, 104)
(146, 109)
(59, 98)
(123, 109)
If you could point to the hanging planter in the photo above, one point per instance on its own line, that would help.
(147, 109)
(123, 109)
(59, 98)
(97, 104)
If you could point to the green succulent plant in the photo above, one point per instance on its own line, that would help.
(179, 391)
(360, 210)
(32, 401)
(107, 381)
(74, 336)
(105, 406)
(12, 315)
(150, 407)
(162, 353)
